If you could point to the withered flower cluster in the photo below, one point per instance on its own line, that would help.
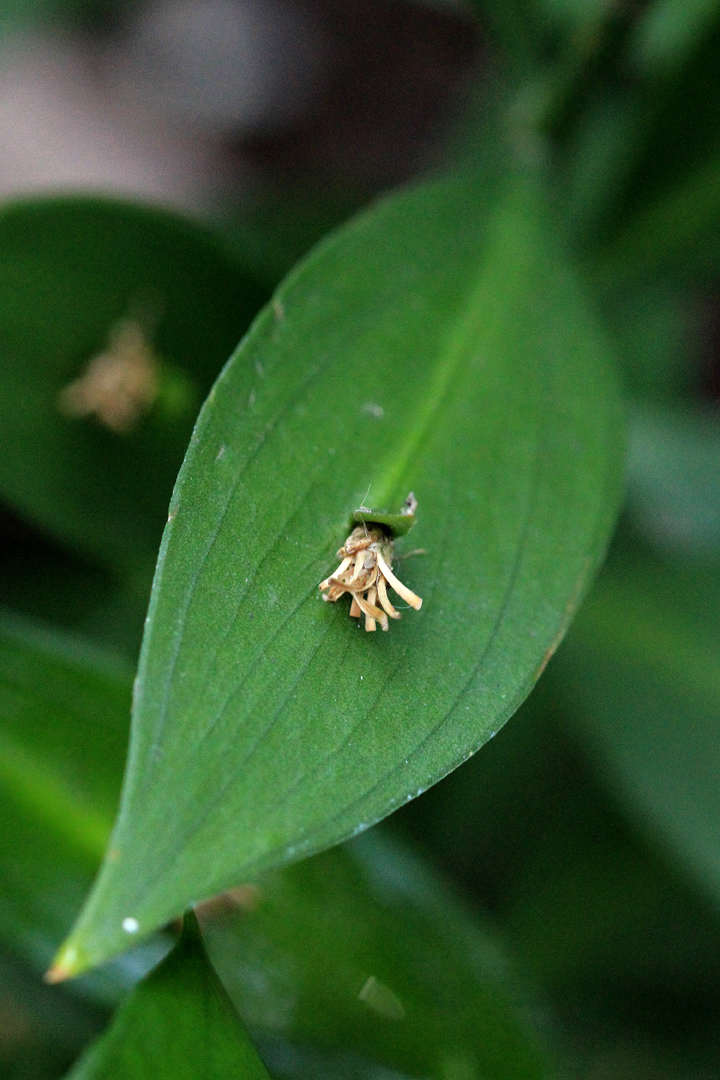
(365, 572)
(118, 385)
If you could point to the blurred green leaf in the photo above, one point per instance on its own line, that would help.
(46, 580)
(676, 233)
(64, 711)
(668, 30)
(517, 27)
(73, 273)
(435, 344)
(177, 1024)
(674, 479)
(657, 331)
(575, 15)
(21, 15)
(597, 153)
(643, 682)
(42, 1028)
(63, 728)
(625, 950)
(51, 582)
(670, 195)
(362, 948)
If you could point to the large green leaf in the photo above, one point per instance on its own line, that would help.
(362, 949)
(317, 928)
(437, 344)
(71, 270)
(314, 929)
(178, 1024)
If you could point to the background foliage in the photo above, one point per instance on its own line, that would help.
(551, 907)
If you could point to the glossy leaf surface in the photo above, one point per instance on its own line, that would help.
(361, 947)
(457, 361)
(71, 271)
(177, 1024)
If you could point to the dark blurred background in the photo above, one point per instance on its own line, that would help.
(301, 108)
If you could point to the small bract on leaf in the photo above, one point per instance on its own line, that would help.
(366, 567)
(396, 524)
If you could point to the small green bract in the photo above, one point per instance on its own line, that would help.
(366, 567)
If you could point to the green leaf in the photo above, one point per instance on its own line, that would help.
(623, 949)
(658, 332)
(518, 29)
(43, 1028)
(64, 711)
(668, 31)
(673, 470)
(362, 949)
(642, 671)
(20, 15)
(178, 1024)
(677, 230)
(46, 581)
(73, 271)
(440, 345)
(318, 927)
(666, 221)
(63, 725)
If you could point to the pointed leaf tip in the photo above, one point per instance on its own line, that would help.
(56, 974)
(177, 1024)
(67, 965)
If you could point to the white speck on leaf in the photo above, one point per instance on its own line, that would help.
(371, 408)
(130, 925)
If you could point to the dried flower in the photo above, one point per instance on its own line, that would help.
(118, 384)
(365, 573)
